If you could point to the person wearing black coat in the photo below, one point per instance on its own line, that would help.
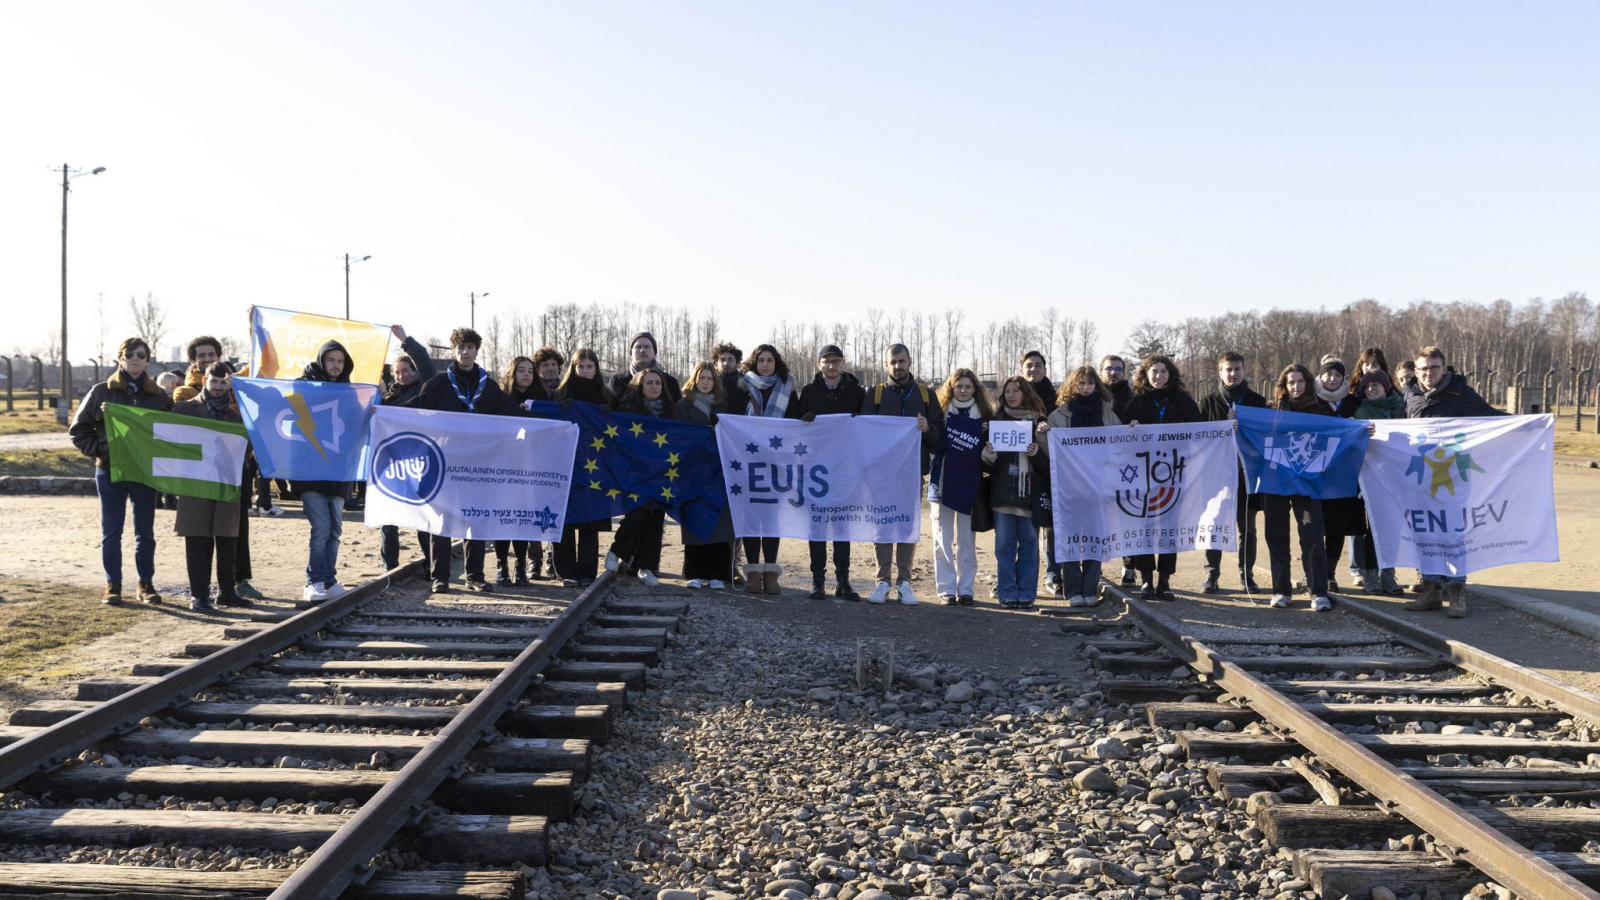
(1159, 399)
(1295, 392)
(1035, 369)
(636, 550)
(1114, 373)
(707, 561)
(831, 391)
(412, 368)
(578, 553)
(1232, 390)
(643, 350)
(130, 383)
(520, 383)
(323, 501)
(464, 387)
(1442, 393)
(1343, 517)
(901, 394)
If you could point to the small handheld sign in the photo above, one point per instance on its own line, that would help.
(1010, 437)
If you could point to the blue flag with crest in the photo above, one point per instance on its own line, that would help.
(1297, 454)
(307, 430)
(625, 461)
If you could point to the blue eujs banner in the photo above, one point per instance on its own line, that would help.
(624, 461)
(307, 430)
(1300, 455)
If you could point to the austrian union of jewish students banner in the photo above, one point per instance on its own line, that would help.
(1121, 490)
(1453, 496)
(469, 476)
(838, 478)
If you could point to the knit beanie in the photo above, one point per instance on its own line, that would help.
(646, 336)
(1331, 363)
(1378, 377)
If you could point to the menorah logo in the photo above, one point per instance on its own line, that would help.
(408, 467)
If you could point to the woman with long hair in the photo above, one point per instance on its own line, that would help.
(1379, 400)
(1016, 478)
(769, 392)
(578, 554)
(1083, 402)
(637, 546)
(1159, 398)
(954, 477)
(520, 383)
(707, 561)
(1294, 392)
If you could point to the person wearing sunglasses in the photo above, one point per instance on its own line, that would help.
(132, 384)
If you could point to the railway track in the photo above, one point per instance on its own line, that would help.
(1382, 754)
(348, 749)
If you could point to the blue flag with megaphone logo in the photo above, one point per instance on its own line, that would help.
(1300, 455)
(307, 430)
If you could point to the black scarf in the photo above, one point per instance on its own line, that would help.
(217, 407)
(588, 390)
(1086, 412)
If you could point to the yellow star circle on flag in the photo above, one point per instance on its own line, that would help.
(594, 485)
(598, 443)
(661, 439)
(611, 431)
(672, 475)
(637, 429)
(672, 459)
(633, 497)
(590, 466)
(613, 493)
(666, 493)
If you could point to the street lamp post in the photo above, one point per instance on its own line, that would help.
(347, 262)
(67, 174)
(472, 313)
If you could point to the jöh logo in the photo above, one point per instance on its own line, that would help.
(408, 467)
(1157, 482)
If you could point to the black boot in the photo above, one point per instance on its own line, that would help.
(819, 589)
(522, 571)
(502, 573)
(844, 591)
(1164, 590)
(1211, 586)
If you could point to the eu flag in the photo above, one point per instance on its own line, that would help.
(625, 461)
(307, 430)
(1298, 454)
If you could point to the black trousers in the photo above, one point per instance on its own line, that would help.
(708, 561)
(1313, 555)
(391, 546)
(578, 554)
(198, 552)
(241, 545)
(439, 558)
(760, 549)
(638, 540)
(1244, 517)
(1163, 564)
(523, 550)
(819, 561)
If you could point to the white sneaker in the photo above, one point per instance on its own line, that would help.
(612, 563)
(717, 584)
(1279, 601)
(648, 577)
(314, 593)
(275, 512)
(1091, 599)
(1321, 604)
(908, 597)
(336, 590)
(696, 584)
(254, 511)
(879, 593)
(1077, 600)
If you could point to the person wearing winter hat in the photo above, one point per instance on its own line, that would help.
(323, 501)
(1346, 516)
(832, 390)
(1379, 400)
(643, 351)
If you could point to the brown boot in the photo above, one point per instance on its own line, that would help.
(754, 578)
(1430, 598)
(1457, 595)
(113, 594)
(147, 594)
(770, 578)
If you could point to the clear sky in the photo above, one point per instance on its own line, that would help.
(792, 160)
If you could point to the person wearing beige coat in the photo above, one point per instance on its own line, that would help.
(210, 528)
(1083, 402)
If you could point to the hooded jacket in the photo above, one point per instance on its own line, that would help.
(1452, 398)
(88, 431)
(817, 399)
(314, 371)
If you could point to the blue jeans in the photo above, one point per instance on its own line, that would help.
(1080, 579)
(114, 497)
(325, 512)
(1016, 550)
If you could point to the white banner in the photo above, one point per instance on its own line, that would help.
(839, 478)
(1124, 490)
(1454, 496)
(468, 475)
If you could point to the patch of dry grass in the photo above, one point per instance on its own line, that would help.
(1584, 444)
(42, 621)
(30, 421)
(46, 462)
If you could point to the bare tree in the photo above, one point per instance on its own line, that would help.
(149, 321)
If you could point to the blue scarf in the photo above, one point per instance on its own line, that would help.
(775, 405)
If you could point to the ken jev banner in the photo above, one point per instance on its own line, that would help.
(469, 476)
(839, 478)
(1453, 496)
(1125, 490)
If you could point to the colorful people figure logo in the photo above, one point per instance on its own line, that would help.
(1440, 465)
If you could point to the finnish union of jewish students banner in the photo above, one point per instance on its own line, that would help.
(838, 478)
(469, 476)
(1124, 490)
(1453, 496)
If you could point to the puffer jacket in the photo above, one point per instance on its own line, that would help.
(194, 381)
(1452, 399)
(88, 431)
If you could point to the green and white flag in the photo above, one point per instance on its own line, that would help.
(184, 455)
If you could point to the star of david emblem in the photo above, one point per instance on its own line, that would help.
(544, 518)
(799, 449)
(775, 442)
(1128, 473)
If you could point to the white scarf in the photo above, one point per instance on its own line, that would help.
(775, 406)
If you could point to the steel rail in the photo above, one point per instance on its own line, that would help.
(345, 856)
(1482, 663)
(68, 737)
(1469, 839)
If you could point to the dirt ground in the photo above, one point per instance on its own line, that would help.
(52, 557)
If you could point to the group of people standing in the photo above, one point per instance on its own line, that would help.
(972, 487)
